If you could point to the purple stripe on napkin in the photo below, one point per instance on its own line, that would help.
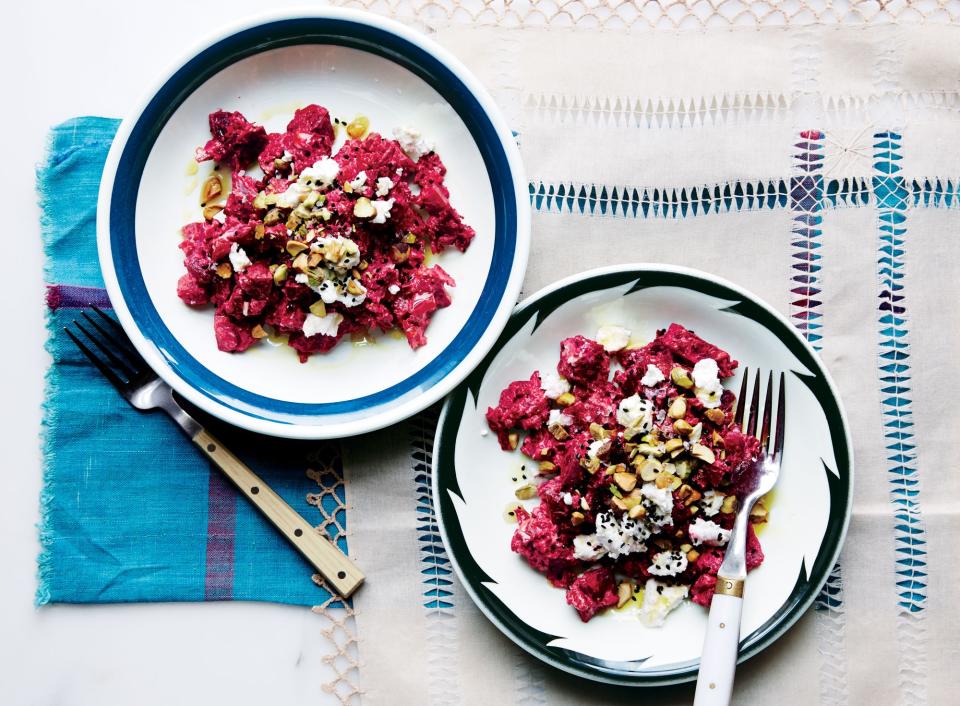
(221, 526)
(68, 296)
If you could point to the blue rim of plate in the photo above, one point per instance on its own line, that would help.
(243, 44)
(444, 484)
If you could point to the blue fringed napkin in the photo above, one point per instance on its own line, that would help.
(130, 510)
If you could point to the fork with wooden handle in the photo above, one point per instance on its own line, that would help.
(140, 386)
(721, 644)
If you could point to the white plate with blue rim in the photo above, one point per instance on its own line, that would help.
(474, 480)
(353, 63)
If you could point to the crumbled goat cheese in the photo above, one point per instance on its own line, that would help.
(708, 532)
(653, 376)
(658, 600)
(553, 385)
(668, 563)
(412, 142)
(238, 258)
(324, 325)
(613, 338)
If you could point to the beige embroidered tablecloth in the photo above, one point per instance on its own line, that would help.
(806, 150)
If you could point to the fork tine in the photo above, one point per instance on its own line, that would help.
(767, 412)
(781, 418)
(95, 359)
(109, 319)
(119, 336)
(754, 407)
(738, 414)
(122, 357)
(122, 367)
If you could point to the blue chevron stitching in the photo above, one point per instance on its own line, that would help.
(893, 195)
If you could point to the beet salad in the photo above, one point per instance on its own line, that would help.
(312, 244)
(635, 457)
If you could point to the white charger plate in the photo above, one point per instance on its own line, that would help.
(354, 64)
(474, 480)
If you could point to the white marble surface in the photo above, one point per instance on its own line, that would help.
(63, 59)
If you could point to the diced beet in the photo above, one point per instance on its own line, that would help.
(231, 337)
(583, 361)
(592, 591)
(236, 142)
(191, 291)
(523, 405)
(536, 540)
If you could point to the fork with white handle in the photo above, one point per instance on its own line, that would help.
(719, 661)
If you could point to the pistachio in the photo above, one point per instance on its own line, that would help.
(280, 274)
(547, 467)
(566, 399)
(703, 453)
(314, 258)
(318, 308)
(295, 247)
(590, 463)
(526, 491)
(577, 518)
(598, 432)
(355, 288)
(716, 415)
(680, 378)
(696, 433)
(272, 217)
(260, 202)
(363, 265)
(224, 270)
(584, 504)
(673, 445)
(363, 208)
(694, 510)
(618, 468)
(686, 547)
(409, 238)
(729, 505)
(649, 469)
(626, 481)
(358, 127)
(678, 408)
(212, 188)
(693, 555)
(759, 511)
(688, 495)
(717, 439)
(624, 593)
(513, 439)
(636, 511)
(662, 480)
(399, 253)
(682, 426)
(211, 210)
(258, 332)
(650, 438)
(648, 450)
(559, 433)
(300, 262)
(259, 231)
(683, 469)
(619, 504)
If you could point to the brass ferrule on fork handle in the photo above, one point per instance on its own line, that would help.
(729, 587)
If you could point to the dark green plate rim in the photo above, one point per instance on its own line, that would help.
(541, 305)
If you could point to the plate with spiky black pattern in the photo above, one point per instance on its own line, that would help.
(474, 480)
